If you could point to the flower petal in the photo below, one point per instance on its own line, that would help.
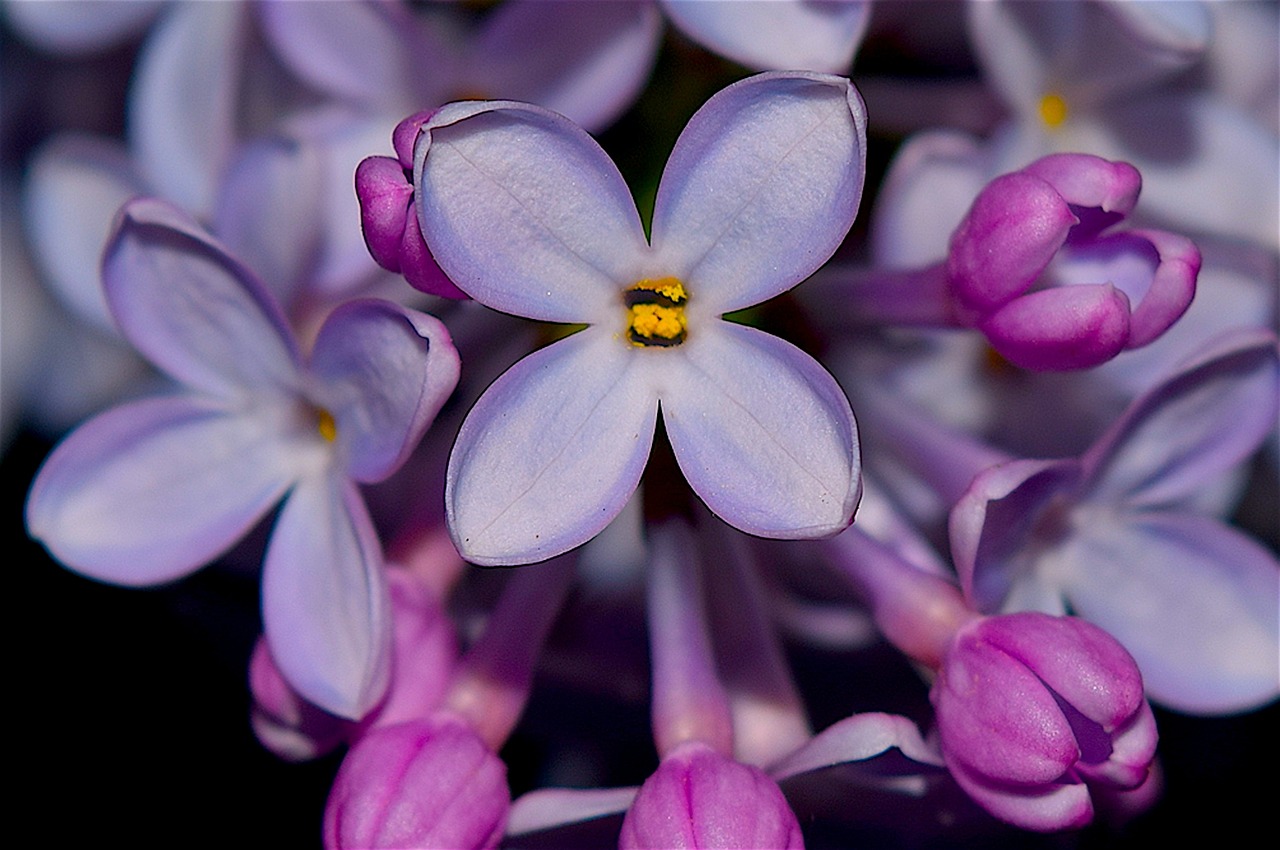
(1193, 600)
(857, 738)
(761, 188)
(386, 372)
(153, 490)
(80, 27)
(548, 808)
(190, 308)
(1065, 327)
(551, 452)
(325, 606)
(525, 212)
(1044, 807)
(762, 432)
(1203, 420)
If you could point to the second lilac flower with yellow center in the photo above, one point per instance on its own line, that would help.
(528, 215)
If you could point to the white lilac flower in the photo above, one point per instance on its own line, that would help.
(154, 489)
(527, 215)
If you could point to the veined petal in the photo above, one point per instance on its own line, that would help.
(762, 432)
(153, 490)
(325, 605)
(1211, 414)
(551, 452)
(386, 370)
(190, 308)
(761, 188)
(525, 212)
(1193, 600)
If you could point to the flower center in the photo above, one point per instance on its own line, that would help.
(326, 425)
(655, 312)
(1053, 110)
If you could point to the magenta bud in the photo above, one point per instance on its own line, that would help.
(423, 784)
(1032, 707)
(405, 136)
(386, 203)
(285, 723)
(700, 798)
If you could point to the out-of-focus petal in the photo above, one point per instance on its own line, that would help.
(857, 738)
(190, 308)
(153, 490)
(1067, 327)
(75, 185)
(182, 106)
(587, 61)
(325, 607)
(1215, 411)
(549, 808)
(1191, 598)
(551, 452)
(525, 212)
(761, 187)
(385, 370)
(821, 36)
(762, 432)
(80, 26)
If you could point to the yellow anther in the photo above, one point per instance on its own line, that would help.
(655, 312)
(326, 425)
(1053, 110)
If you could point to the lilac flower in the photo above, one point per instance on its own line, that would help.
(1114, 536)
(527, 215)
(152, 490)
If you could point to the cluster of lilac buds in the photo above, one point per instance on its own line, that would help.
(654, 423)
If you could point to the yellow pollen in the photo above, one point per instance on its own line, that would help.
(1053, 110)
(655, 312)
(326, 425)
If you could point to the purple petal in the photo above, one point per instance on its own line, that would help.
(386, 370)
(761, 188)
(1085, 180)
(183, 100)
(1066, 327)
(190, 308)
(762, 432)
(765, 36)
(1194, 601)
(1044, 807)
(586, 61)
(1171, 289)
(80, 27)
(325, 607)
(1203, 420)
(551, 452)
(153, 490)
(525, 212)
(1133, 748)
(549, 808)
(857, 738)
(386, 202)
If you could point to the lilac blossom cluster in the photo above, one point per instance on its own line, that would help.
(741, 354)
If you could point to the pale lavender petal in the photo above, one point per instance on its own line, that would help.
(761, 188)
(1067, 327)
(857, 738)
(549, 808)
(821, 36)
(325, 608)
(525, 212)
(190, 308)
(182, 105)
(551, 452)
(1215, 411)
(153, 490)
(1194, 600)
(1044, 807)
(586, 61)
(73, 189)
(385, 370)
(80, 26)
(762, 432)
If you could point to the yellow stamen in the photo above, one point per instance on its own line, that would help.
(655, 312)
(326, 425)
(1053, 110)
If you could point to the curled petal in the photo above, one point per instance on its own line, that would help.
(1171, 289)
(1085, 180)
(762, 432)
(386, 371)
(551, 452)
(1066, 327)
(1044, 807)
(1133, 749)
(386, 201)
(153, 490)
(325, 607)
(761, 188)
(525, 212)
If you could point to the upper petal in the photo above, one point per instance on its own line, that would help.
(192, 309)
(762, 432)
(325, 606)
(525, 212)
(761, 188)
(153, 490)
(551, 452)
(386, 370)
